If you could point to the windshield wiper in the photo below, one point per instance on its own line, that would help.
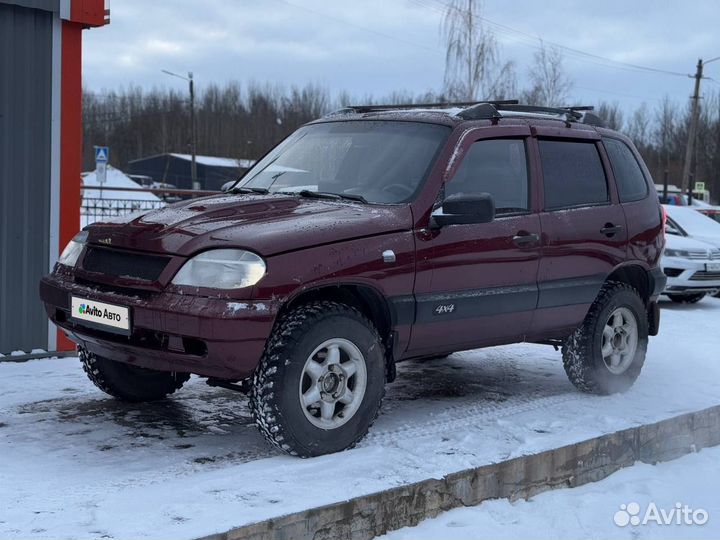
(245, 189)
(327, 195)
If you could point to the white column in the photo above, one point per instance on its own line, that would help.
(55, 117)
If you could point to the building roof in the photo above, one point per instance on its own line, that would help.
(214, 161)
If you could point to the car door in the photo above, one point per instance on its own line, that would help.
(477, 283)
(638, 200)
(584, 234)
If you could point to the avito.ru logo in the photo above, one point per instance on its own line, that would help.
(680, 514)
(84, 309)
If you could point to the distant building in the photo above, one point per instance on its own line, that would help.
(212, 172)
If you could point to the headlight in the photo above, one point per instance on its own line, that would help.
(676, 253)
(222, 269)
(72, 251)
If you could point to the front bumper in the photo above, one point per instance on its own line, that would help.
(690, 276)
(209, 336)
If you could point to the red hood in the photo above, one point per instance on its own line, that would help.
(264, 224)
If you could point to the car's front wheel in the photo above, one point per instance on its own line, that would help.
(130, 383)
(320, 382)
(607, 351)
(686, 298)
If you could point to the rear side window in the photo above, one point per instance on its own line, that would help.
(629, 177)
(573, 174)
(498, 167)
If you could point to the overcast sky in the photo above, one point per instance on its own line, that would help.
(378, 46)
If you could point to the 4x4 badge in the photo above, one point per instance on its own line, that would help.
(105, 240)
(444, 309)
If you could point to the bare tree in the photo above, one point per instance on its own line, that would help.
(708, 142)
(666, 129)
(611, 115)
(639, 126)
(473, 69)
(550, 84)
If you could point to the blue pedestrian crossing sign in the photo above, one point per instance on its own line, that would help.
(101, 154)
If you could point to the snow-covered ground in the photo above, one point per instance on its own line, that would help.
(75, 463)
(590, 511)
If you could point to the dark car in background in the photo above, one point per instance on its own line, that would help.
(371, 236)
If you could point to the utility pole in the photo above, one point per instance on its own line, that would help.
(193, 134)
(193, 128)
(692, 130)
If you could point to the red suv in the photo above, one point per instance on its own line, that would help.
(367, 237)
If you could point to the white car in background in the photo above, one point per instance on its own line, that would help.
(690, 262)
(690, 222)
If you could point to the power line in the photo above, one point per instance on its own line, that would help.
(613, 93)
(371, 30)
(536, 42)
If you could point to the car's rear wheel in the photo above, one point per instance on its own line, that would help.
(320, 382)
(606, 353)
(130, 383)
(686, 298)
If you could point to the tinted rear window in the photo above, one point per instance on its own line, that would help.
(629, 177)
(573, 174)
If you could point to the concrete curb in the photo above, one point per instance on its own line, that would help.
(52, 355)
(569, 466)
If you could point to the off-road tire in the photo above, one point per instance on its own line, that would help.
(130, 383)
(581, 354)
(275, 399)
(686, 298)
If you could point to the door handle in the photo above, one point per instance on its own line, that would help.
(611, 230)
(525, 239)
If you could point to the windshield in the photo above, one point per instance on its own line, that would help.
(373, 161)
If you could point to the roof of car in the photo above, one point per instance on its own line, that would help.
(478, 114)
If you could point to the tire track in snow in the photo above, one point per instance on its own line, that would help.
(470, 414)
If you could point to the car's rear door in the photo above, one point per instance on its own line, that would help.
(638, 199)
(584, 234)
(476, 283)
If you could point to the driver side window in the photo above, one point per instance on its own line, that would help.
(498, 167)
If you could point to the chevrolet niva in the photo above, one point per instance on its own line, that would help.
(371, 236)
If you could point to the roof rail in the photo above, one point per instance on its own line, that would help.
(445, 105)
(571, 113)
(593, 120)
(485, 110)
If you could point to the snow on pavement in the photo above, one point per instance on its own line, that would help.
(76, 463)
(589, 511)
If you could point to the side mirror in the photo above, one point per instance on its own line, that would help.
(464, 209)
(227, 186)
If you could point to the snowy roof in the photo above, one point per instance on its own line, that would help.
(115, 178)
(214, 161)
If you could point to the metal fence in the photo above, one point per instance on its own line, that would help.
(97, 208)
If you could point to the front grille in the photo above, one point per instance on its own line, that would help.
(132, 292)
(697, 254)
(702, 275)
(703, 254)
(126, 264)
